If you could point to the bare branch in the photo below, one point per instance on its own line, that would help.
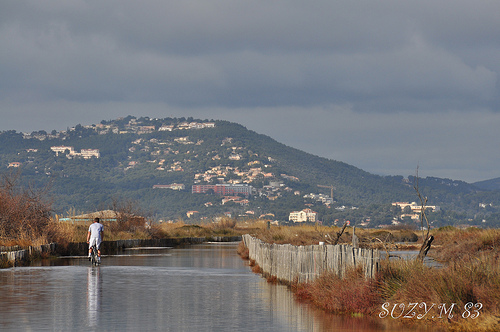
(426, 245)
(339, 234)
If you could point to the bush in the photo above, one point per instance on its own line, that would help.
(352, 294)
(24, 214)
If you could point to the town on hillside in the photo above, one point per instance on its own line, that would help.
(133, 126)
(202, 174)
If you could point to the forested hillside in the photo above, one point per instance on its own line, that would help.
(153, 164)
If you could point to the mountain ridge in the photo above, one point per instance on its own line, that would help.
(135, 155)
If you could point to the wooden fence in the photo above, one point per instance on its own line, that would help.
(290, 263)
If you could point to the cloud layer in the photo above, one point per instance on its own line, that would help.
(385, 78)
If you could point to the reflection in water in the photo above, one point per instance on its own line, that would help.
(93, 295)
(285, 306)
(202, 287)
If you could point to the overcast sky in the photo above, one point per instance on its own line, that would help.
(381, 85)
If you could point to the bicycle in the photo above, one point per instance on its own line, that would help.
(94, 258)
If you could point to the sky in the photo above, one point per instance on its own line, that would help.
(386, 86)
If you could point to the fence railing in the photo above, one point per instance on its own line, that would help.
(290, 263)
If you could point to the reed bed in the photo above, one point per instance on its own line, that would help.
(66, 232)
(464, 294)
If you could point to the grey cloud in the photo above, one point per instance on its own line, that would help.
(225, 53)
(360, 76)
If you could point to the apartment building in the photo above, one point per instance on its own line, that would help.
(84, 153)
(224, 189)
(416, 208)
(306, 215)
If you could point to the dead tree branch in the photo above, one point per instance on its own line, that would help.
(426, 245)
(339, 234)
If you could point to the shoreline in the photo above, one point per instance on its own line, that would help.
(22, 256)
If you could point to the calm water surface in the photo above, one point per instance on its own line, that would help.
(197, 288)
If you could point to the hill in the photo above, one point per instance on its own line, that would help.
(153, 164)
(493, 184)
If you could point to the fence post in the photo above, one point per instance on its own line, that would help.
(305, 263)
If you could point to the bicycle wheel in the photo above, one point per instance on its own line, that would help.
(94, 256)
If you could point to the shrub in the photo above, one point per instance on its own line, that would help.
(24, 214)
(352, 294)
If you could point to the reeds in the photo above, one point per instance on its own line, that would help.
(470, 276)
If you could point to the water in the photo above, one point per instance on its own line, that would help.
(197, 288)
(412, 255)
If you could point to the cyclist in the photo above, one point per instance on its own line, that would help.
(95, 236)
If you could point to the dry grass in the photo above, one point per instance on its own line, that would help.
(313, 234)
(471, 275)
(243, 251)
(452, 244)
(136, 228)
(464, 281)
(353, 294)
(24, 213)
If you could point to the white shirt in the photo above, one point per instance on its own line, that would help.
(95, 230)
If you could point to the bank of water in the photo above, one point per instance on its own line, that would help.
(204, 287)
(412, 255)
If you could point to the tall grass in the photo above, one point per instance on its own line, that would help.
(402, 282)
(308, 234)
(471, 275)
(352, 294)
(456, 244)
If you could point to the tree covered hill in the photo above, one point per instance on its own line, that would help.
(492, 184)
(136, 159)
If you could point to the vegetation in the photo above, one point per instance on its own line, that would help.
(24, 215)
(463, 295)
(132, 161)
(25, 220)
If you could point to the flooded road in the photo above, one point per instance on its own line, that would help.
(204, 287)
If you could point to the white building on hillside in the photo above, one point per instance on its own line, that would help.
(416, 208)
(303, 216)
(62, 149)
(89, 153)
(84, 153)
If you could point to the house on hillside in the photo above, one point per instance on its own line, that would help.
(173, 186)
(416, 208)
(14, 164)
(189, 214)
(306, 215)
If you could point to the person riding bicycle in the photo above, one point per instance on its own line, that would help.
(94, 237)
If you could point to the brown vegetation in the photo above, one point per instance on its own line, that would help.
(243, 251)
(25, 220)
(471, 274)
(24, 215)
(313, 234)
(353, 294)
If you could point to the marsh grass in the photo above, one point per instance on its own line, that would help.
(466, 281)
(352, 294)
(243, 251)
(454, 244)
(137, 228)
(298, 235)
(471, 274)
(307, 234)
